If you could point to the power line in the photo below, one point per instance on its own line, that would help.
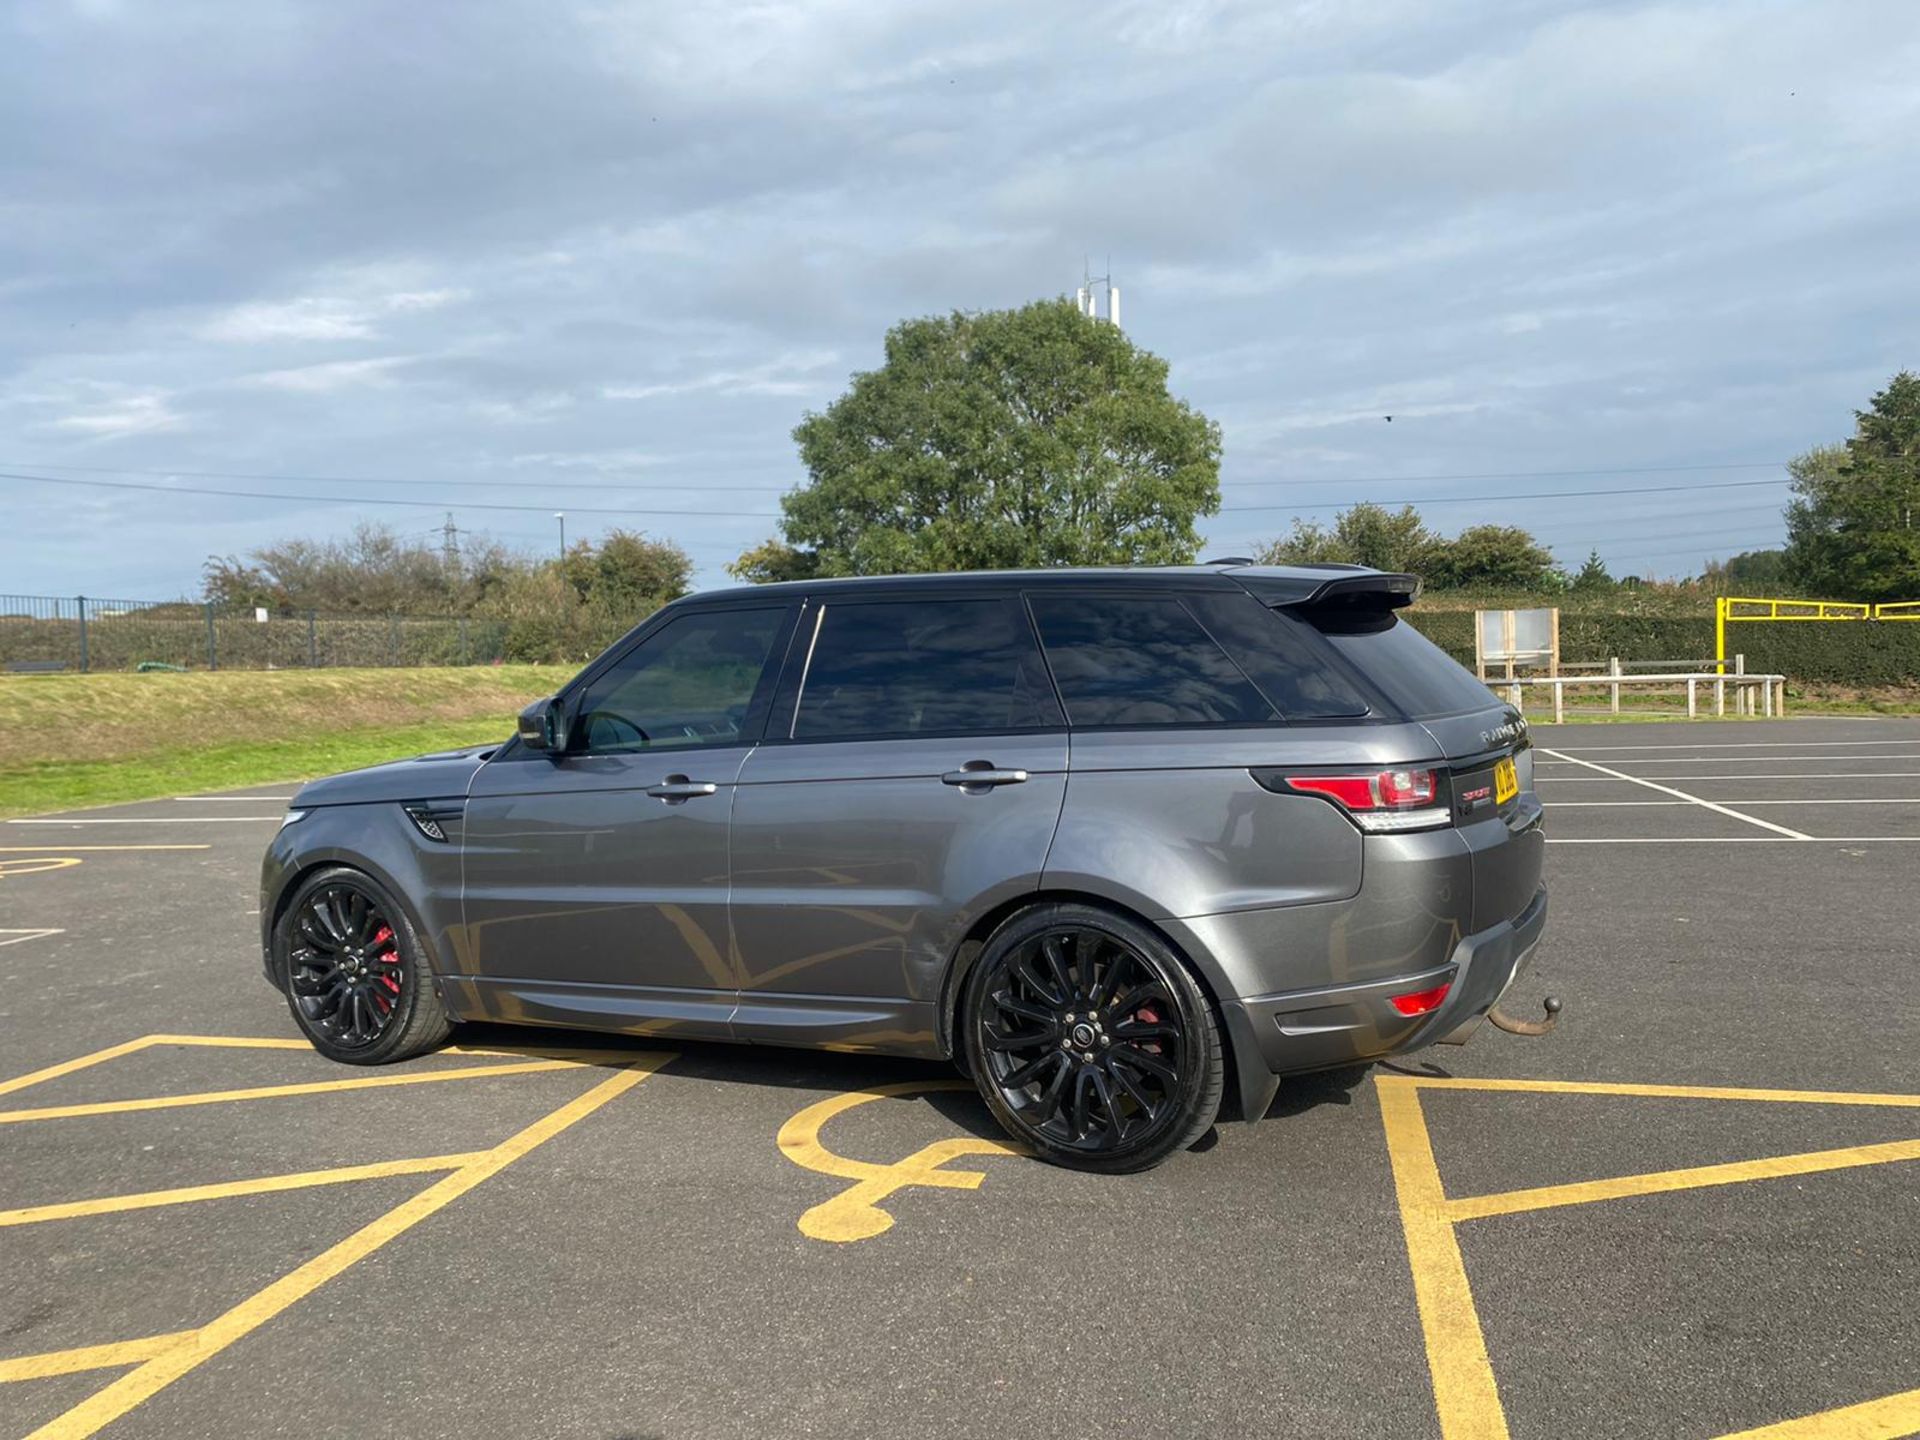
(774, 515)
(385, 479)
(374, 500)
(1514, 474)
(1532, 495)
(1328, 480)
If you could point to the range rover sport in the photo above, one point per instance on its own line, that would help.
(1121, 843)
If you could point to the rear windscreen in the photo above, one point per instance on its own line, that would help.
(1420, 678)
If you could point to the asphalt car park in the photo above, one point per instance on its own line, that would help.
(1690, 1211)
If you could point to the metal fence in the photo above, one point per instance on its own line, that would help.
(45, 632)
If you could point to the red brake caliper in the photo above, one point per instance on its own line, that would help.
(391, 957)
(1147, 1015)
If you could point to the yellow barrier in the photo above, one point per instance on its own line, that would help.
(1735, 609)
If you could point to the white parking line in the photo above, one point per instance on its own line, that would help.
(1754, 759)
(1745, 745)
(1641, 804)
(235, 799)
(1739, 840)
(1797, 775)
(16, 937)
(1683, 795)
(154, 820)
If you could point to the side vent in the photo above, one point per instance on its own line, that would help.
(438, 820)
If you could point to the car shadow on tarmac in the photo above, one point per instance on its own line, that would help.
(812, 1070)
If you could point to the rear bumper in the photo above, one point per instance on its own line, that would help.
(1337, 1025)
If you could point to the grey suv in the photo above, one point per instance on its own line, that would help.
(1121, 843)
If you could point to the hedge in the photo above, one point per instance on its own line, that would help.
(1853, 652)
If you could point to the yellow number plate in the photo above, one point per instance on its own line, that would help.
(1506, 782)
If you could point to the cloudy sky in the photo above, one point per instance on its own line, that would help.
(600, 258)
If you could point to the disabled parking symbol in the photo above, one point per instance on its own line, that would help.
(855, 1213)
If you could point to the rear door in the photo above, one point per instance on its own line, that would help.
(911, 778)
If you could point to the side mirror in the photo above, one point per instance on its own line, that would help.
(543, 727)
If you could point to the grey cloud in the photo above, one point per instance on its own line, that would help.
(627, 245)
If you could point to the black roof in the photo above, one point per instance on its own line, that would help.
(1272, 584)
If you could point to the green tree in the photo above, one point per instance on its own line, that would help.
(1481, 556)
(630, 572)
(1492, 557)
(1753, 572)
(1036, 436)
(1592, 577)
(773, 560)
(1363, 534)
(1371, 534)
(1307, 543)
(374, 570)
(1852, 531)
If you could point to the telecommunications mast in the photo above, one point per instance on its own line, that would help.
(1092, 288)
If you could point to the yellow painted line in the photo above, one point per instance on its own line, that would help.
(67, 1067)
(90, 1357)
(272, 1092)
(572, 1055)
(284, 1042)
(1668, 1092)
(42, 849)
(1887, 1419)
(37, 864)
(855, 1213)
(1660, 1182)
(1464, 1392)
(85, 1062)
(223, 1190)
(233, 1042)
(168, 1365)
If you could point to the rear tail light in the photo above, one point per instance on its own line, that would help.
(1421, 1002)
(1380, 801)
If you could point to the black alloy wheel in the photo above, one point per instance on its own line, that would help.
(346, 972)
(1091, 1042)
(355, 978)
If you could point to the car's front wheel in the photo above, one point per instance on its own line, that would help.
(356, 978)
(1090, 1040)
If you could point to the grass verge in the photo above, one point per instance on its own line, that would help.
(51, 785)
(72, 741)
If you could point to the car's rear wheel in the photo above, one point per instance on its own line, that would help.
(356, 978)
(1091, 1041)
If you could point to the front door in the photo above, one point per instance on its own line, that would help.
(595, 881)
(912, 779)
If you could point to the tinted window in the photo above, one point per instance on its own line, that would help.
(1420, 678)
(923, 667)
(690, 683)
(1121, 660)
(1293, 667)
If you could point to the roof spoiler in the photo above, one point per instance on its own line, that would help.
(1367, 589)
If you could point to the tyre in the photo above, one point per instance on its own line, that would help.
(1091, 1041)
(355, 975)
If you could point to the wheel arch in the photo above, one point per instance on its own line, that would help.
(309, 865)
(1254, 1084)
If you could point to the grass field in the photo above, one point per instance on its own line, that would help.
(68, 741)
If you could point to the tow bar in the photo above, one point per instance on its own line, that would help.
(1528, 1027)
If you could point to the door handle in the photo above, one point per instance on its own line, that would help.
(676, 788)
(978, 772)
